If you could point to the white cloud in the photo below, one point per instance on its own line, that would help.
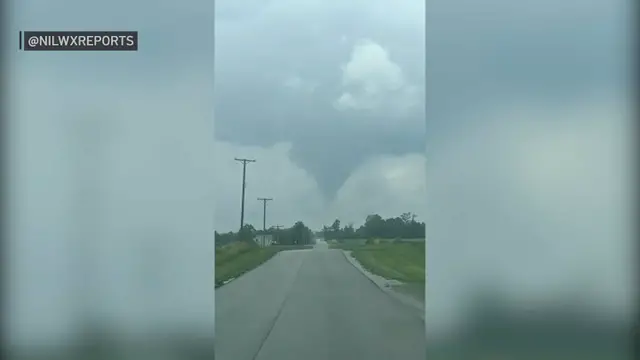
(384, 185)
(296, 83)
(372, 81)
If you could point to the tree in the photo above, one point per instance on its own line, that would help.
(333, 232)
(348, 232)
(246, 233)
(225, 238)
(406, 217)
(403, 226)
(326, 232)
(336, 226)
(299, 233)
(374, 226)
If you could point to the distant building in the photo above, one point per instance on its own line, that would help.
(263, 239)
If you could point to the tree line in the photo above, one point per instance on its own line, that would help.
(404, 226)
(298, 234)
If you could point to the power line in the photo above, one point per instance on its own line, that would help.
(264, 212)
(244, 185)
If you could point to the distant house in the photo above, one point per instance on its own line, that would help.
(263, 239)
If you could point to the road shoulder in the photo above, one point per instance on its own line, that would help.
(236, 259)
(388, 286)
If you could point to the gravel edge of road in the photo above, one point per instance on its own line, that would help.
(386, 286)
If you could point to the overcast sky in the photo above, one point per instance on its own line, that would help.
(333, 111)
(519, 105)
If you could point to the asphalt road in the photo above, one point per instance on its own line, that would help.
(313, 305)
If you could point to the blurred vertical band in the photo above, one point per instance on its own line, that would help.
(532, 175)
(108, 250)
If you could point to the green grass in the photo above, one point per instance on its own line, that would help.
(291, 247)
(402, 261)
(237, 258)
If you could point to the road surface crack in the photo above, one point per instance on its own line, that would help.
(273, 323)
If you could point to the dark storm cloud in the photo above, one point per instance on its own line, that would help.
(496, 51)
(257, 52)
(326, 142)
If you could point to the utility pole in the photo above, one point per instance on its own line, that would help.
(244, 185)
(278, 227)
(264, 212)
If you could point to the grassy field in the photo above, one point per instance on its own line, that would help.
(238, 258)
(400, 260)
(357, 241)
